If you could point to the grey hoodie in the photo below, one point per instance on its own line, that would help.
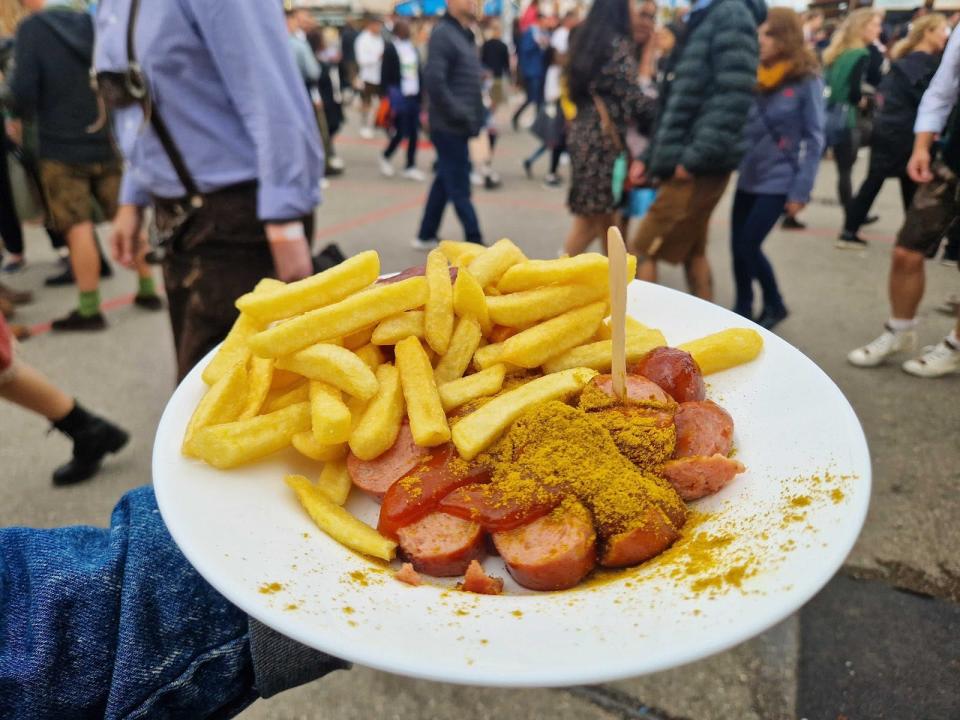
(51, 83)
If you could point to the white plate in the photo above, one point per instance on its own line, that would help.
(793, 517)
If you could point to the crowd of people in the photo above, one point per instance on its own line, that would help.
(654, 115)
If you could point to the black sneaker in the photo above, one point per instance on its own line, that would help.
(60, 279)
(90, 445)
(149, 302)
(850, 241)
(491, 182)
(770, 318)
(791, 223)
(76, 321)
(870, 219)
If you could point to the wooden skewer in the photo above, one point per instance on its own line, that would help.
(618, 310)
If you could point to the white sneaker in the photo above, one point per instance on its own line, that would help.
(336, 162)
(386, 168)
(476, 179)
(874, 353)
(366, 133)
(937, 360)
(324, 183)
(414, 174)
(418, 244)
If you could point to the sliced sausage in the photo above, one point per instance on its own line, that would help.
(697, 477)
(485, 504)
(653, 534)
(674, 370)
(554, 552)
(406, 574)
(703, 428)
(477, 581)
(377, 475)
(646, 436)
(640, 390)
(441, 545)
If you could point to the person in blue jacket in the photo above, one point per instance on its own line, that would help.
(784, 134)
(531, 63)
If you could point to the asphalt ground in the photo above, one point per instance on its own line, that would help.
(862, 649)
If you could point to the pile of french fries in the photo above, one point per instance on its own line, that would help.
(334, 363)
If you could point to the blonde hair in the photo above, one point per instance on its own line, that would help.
(11, 13)
(918, 30)
(849, 36)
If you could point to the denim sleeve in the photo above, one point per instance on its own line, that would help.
(115, 623)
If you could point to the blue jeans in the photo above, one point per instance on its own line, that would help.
(406, 126)
(452, 183)
(115, 623)
(754, 216)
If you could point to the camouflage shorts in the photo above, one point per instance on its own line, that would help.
(75, 192)
(934, 210)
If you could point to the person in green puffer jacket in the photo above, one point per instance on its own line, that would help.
(704, 99)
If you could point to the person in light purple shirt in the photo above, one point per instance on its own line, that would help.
(221, 76)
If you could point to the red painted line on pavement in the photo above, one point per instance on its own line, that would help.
(370, 217)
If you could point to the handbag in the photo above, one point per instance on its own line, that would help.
(620, 170)
(548, 125)
(384, 117)
(836, 123)
(27, 200)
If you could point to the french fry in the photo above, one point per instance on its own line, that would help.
(488, 355)
(438, 310)
(340, 319)
(357, 340)
(233, 350)
(380, 424)
(528, 307)
(306, 444)
(395, 328)
(463, 344)
(329, 415)
(725, 349)
(634, 326)
(372, 355)
(598, 355)
(487, 382)
(338, 523)
(335, 481)
(534, 346)
(478, 430)
(279, 400)
(259, 377)
(222, 403)
(334, 365)
(469, 300)
(459, 253)
(586, 269)
(316, 291)
(235, 443)
(428, 422)
(357, 408)
(493, 262)
(284, 380)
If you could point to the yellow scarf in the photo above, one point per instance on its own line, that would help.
(770, 77)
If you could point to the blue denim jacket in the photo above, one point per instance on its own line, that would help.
(115, 623)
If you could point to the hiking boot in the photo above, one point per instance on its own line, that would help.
(76, 321)
(875, 352)
(937, 360)
(93, 439)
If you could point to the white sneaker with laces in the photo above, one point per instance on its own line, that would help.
(875, 352)
(418, 244)
(414, 174)
(386, 168)
(937, 360)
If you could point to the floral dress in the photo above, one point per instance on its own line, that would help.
(592, 151)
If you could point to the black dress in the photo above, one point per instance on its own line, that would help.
(592, 151)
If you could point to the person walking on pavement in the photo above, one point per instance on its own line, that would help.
(531, 64)
(229, 156)
(602, 81)
(78, 165)
(452, 79)
(93, 437)
(898, 96)
(368, 49)
(846, 61)
(784, 134)
(401, 81)
(934, 210)
(705, 96)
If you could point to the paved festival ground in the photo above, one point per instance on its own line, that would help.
(881, 641)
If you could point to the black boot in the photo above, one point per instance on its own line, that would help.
(93, 437)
